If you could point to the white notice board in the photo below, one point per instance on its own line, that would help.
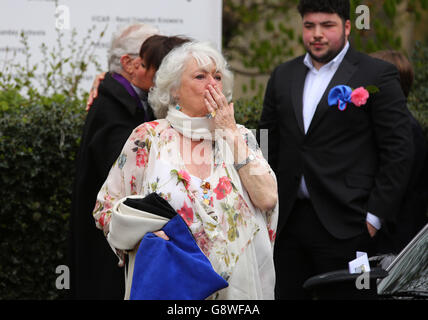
(41, 20)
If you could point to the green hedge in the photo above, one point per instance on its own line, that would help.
(248, 111)
(38, 144)
(418, 98)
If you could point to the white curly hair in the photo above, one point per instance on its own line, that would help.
(168, 77)
(128, 40)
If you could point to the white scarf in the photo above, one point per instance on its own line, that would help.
(194, 128)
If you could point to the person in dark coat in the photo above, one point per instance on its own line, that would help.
(121, 105)
(342, 164)
(412, 216)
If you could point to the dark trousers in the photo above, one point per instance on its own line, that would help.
(304, 248)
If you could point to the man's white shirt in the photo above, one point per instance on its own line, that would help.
(316, 83)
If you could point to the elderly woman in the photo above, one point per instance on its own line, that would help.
(134, 57)
(207, 167)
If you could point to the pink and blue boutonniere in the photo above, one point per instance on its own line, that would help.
(341, 95)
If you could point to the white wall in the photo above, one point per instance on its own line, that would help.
(41, 19)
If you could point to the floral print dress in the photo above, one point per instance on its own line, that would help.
(236, 237)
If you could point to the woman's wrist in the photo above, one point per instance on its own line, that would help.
(239, 165)
(240, 148)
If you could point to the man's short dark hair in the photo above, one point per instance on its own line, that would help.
(341, 7)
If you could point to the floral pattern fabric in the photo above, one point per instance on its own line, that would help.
(217, 210)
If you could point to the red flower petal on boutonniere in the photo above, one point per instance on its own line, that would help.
(359, 96)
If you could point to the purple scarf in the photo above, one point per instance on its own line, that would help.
(127, 85)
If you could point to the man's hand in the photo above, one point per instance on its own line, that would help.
(161, 234)
(372, 230)
(94, 90)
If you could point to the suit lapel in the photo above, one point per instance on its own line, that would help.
(297, 93)
(117, 91)
(345, 71)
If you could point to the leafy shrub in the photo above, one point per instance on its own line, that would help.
(41, 118)
(38, 144)
(56, 73)
(248, 111)
(418, 98)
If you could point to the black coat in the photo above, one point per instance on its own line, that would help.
(413, 212)
(110, 121)
(354, 161)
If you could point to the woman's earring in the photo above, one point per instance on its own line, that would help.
(178, 107)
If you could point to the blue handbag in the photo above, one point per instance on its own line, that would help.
(171, 270)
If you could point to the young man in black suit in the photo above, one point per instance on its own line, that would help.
(341, 174)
